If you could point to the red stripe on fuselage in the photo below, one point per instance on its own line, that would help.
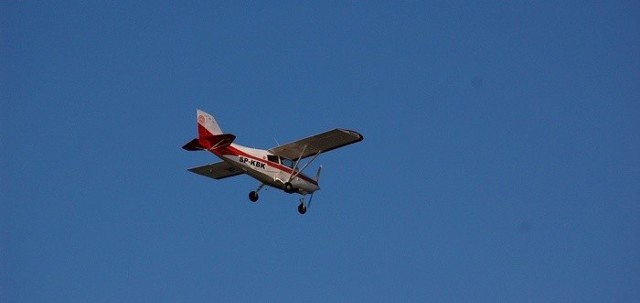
(234, 151)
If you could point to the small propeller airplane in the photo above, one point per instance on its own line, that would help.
(278, 167)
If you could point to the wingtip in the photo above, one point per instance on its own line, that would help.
(353, 133)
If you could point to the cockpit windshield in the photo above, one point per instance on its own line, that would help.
(280, 160)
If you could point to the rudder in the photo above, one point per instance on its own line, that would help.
(207, 125)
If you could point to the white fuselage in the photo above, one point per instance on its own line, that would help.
(266, 167)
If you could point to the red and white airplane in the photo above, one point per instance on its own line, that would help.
(278, 167)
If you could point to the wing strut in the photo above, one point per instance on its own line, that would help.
(295, 172)
(297, 163)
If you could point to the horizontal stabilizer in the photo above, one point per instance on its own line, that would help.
(209, 142)
(193, 145)
(216, 171)
(217, 141)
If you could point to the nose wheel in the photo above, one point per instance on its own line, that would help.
(302, 209)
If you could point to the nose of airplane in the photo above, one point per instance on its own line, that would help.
(311, 187)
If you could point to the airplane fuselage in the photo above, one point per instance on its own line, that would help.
(266, 167)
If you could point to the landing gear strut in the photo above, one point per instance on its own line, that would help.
(302, 208)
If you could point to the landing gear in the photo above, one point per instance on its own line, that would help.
(302, 209)
(253, 196)
(288, 187)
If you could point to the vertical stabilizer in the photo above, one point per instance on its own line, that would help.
(207, 125)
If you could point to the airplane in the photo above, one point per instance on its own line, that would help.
(278, 167)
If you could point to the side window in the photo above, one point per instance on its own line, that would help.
(287, 162)
(273, 158)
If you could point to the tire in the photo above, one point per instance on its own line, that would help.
(302, 209)
(253, 196)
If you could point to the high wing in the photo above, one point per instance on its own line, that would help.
(315, 144)
(217, 171)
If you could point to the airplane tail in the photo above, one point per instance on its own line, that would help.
(210, 136)
(207, 125)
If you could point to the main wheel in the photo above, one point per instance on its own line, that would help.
(302, 209)
(253, 196)
(288, 188)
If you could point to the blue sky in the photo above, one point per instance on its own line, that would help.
(500, 160)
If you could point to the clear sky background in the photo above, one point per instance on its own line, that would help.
(500, 160)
